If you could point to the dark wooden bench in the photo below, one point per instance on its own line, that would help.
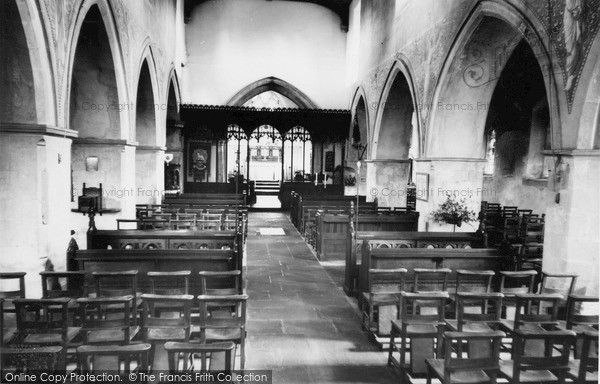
(296, 213)
(411, 258)
(332, 230)
(156, 260)
(289, 190)
(162, 239)
(393, 240)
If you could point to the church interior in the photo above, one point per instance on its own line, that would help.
(300, 191)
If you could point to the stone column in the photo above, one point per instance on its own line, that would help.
(387, 181)
(571, 242)
(149, 174)
(35, 199)
(460, 176)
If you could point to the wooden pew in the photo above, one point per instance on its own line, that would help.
(296, 213)
(392, 240)
(162, 239)
(332, 230)
(157, 260)
(410, 258)
(288, 189)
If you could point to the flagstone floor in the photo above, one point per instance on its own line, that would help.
(300, 322)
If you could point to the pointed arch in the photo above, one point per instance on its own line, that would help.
(358, 107)
(400, 73)
(112, 32)
(272, 84)
(516, 25)
(147, 59)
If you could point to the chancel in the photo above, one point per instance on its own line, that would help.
(370, 191)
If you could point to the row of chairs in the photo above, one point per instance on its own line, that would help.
(385, 285)
(103, 325)
(467, 350)
(110, 317)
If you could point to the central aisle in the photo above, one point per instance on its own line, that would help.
(300, 323)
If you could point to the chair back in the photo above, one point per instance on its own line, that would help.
(106, 316)
(201, 355)
(114, 359)
(428, 280)
(386, 281)
(561, 283)
(12, 285)
(230, 282)
(73, 287)
(490, 304)
(114, 284)
(412, 307)
(578, 316)
(531, 308)
(176, 326)
(235, 316)
(169, 283)
(473, 281)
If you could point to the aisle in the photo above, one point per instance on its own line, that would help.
(300, 323)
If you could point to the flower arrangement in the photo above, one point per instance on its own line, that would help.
(350, 181)
(453, 211)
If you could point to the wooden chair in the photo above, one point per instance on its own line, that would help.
(231, 327)
(538, 367)
(113, 359)
(169, 283)
(582, 316)
(17, 360)
(385, 286)
(430, 280)
(165, 318)
(561, 283)
(117, 284)
(12, 285)
(485, 318)
(585, 369)
(44, 322)
(533, 312)
(469, 369)
(107, 320)
(511, 283)
(8, 332)
(421, 321)
(180, 354)
(154, 224)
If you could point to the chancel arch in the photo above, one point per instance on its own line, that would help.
(272, 84)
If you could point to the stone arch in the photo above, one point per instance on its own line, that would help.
(360, 118)
(111, 30)
(148, 111)
(589, 121)
(470, 73)
(28, 77)
(397, 120)
(272, 84)
(172, 89)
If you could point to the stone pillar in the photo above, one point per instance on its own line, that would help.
(149, 175)
(387, 181)
(571, 242)
(34, 200)
(460, 176)
(116, 172)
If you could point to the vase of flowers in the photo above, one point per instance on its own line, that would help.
(453, 211)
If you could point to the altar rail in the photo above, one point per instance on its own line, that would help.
(411, 258)
(332, 230)
(394, 240)
(144, 261)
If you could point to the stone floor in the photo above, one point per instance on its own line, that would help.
(300, 323)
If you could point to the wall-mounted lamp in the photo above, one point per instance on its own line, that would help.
(91, 164)
(168, 158)
(360, 149)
